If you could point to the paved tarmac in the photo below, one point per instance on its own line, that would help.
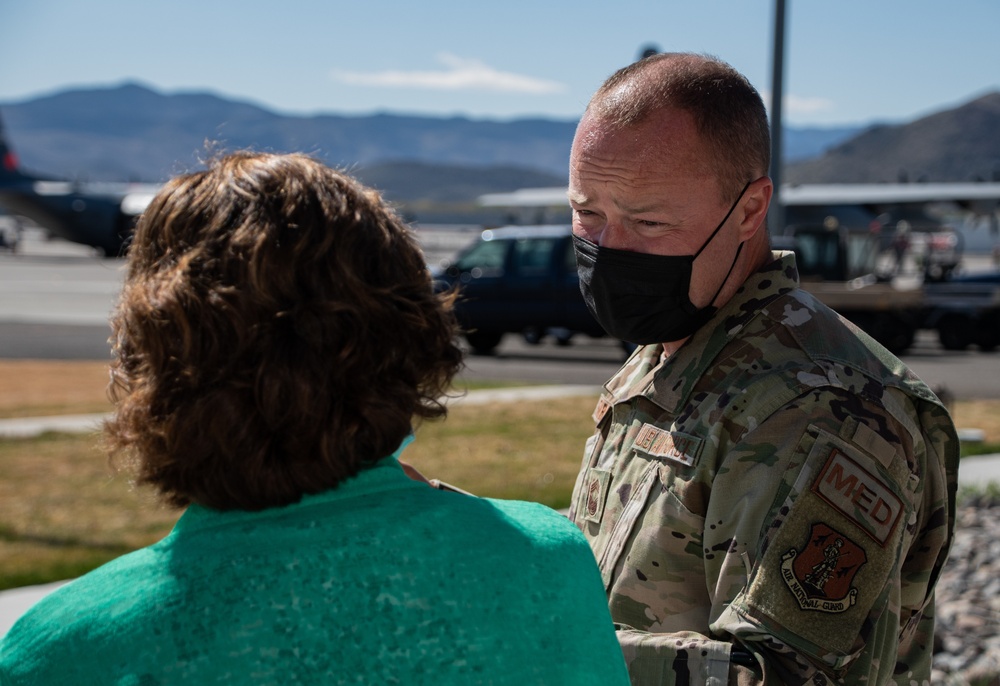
(979, 470)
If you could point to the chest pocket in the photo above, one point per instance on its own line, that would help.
(626, 521)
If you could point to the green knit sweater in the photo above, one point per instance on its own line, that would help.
(381, 581)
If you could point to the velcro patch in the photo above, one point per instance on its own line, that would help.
(859, 495)
(820, 574)
(602, 409)
(875, 444)
(675, 446)
(595, 486)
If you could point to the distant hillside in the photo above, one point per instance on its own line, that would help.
(133, 132)
(961, 144)
(811, 141)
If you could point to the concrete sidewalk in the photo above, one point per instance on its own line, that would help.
(24, 427)
(973, 471)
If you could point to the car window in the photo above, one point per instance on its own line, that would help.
(819, 254)
(485, 258)
(532, 255)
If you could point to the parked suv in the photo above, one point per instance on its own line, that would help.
(518, 279)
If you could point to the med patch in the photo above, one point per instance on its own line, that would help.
(859, 495)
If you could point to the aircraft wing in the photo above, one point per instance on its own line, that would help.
(135, 202)
(964, 194)
(527, 197)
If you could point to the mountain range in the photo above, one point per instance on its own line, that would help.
(432, 165)
(959, 144)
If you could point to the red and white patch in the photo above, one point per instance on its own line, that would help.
(821, 573)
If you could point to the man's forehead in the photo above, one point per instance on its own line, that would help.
(656, 148)
(600, 139)
(616, 102)
(665, 125)
(641, 195)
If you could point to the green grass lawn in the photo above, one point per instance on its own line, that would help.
(63, 511)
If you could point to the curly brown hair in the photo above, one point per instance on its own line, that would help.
(277, 332)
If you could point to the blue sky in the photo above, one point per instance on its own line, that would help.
(848, 62)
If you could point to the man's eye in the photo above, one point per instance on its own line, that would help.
(588, 216)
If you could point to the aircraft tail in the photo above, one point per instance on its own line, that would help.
(8, 160)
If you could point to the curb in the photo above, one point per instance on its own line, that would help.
(26, 427)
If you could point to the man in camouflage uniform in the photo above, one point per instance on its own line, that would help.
(769, 493)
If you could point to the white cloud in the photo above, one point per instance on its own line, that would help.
(458, 74)
(798, 106)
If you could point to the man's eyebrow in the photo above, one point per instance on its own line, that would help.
(580, 199)
(657, 206)
(640, 209)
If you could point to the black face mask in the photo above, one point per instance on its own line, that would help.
(643, 298)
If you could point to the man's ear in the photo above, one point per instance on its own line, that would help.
(753, 209)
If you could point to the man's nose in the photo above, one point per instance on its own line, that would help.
(611, 235)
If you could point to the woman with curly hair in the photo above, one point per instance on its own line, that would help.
(276, 338)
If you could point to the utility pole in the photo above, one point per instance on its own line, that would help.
(776, 214)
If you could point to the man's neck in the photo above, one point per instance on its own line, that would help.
(672, 347)
(759, 256)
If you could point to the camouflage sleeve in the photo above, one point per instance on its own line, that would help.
(681, 658)
(848, 554)
(825, 528)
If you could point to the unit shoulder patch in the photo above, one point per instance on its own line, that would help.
(820, 574)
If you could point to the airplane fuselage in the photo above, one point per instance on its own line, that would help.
(87, 214)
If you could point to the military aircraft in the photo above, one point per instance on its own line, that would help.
(101, 215)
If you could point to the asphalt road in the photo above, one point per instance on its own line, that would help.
(55, 299)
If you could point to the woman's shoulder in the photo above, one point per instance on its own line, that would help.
(542, 521)
(521, 529)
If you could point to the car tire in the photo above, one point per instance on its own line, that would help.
(563, 337)
(483, 342)
(955, 332)
(988, 332)
(533, 335)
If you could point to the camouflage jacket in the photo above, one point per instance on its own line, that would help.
(773, 503)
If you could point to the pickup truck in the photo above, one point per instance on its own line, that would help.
(965, 310)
